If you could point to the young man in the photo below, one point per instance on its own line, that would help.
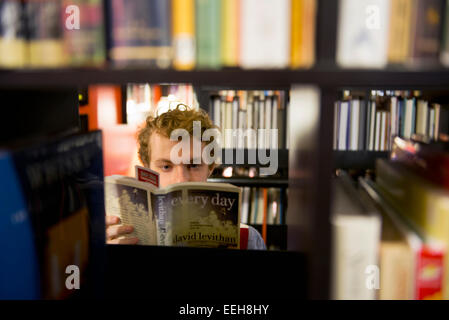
(154, 152)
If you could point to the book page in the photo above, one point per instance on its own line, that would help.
(132, 205)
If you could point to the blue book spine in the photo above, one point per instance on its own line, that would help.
(19, 267)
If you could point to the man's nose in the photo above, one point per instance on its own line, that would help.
(182, 174)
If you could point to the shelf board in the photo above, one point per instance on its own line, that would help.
(253, 182)
(277, 78)
(358, 159)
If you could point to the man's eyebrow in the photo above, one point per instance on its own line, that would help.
(163, 160)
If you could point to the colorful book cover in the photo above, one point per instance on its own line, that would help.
(230, 32)
(208, 33)
(141, 32)
(183, 33)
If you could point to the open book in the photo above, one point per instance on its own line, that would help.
(194, 214)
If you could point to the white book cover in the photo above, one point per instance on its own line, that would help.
(378, 127)
(343, 126)
(264, 34)
(408, 125)
(362, 35)
(421, 119)
(242, 128)
(354, 128)
(372, 127)
(251, 135)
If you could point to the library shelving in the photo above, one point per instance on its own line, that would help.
(304, 268)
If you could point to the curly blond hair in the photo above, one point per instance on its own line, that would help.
(165, 123)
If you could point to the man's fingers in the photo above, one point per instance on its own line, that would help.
(117, 231)
(111, 220)
(124, 241)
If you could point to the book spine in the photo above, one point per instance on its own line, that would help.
(208, 33)
(45, 34)
(140, 32)
(13, 44)
(183, 28)
(230, 10)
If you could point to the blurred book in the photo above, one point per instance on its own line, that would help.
(208, 33)
(265, 34)
(13, 43)
(423, 204)
(302, 33)
(183, 34)
(411, 264)
(45, 29)
(86, 46)
(362, 35)
(356, 227)
(230, 32)
(140, 32)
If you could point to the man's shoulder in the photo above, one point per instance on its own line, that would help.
(255, 240)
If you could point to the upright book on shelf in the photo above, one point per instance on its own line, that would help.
(13, 44)
(140, 32)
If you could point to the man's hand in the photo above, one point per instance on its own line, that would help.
(115, 230)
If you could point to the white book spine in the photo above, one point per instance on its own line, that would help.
(343, 127)
(268, 115)
(383, 131)
(274, 124)
(408, 119)
(354, 129)
(393, 120)
(336, 122)
(217, 112)
(372, 125)
(260, 133)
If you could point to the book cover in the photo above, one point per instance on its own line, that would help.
(13, 44)
(45, 34)
(183, 34)
(86, 46)
(362, 35)
(427, 20)
(302, 37)
(230, 32)
(399, 33)
(208, 33)
(265, 34)
(140, 32)
(194, 214)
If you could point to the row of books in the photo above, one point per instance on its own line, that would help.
(262, 206)
(51, 33)
(183, 34)
(391, 235)
(249, 112)
(377, 33)
(371, 124)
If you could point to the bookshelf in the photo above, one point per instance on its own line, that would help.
(305, 267)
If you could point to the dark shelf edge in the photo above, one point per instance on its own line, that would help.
(357, 159)
(321, 76)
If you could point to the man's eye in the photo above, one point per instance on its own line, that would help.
(166, 167)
